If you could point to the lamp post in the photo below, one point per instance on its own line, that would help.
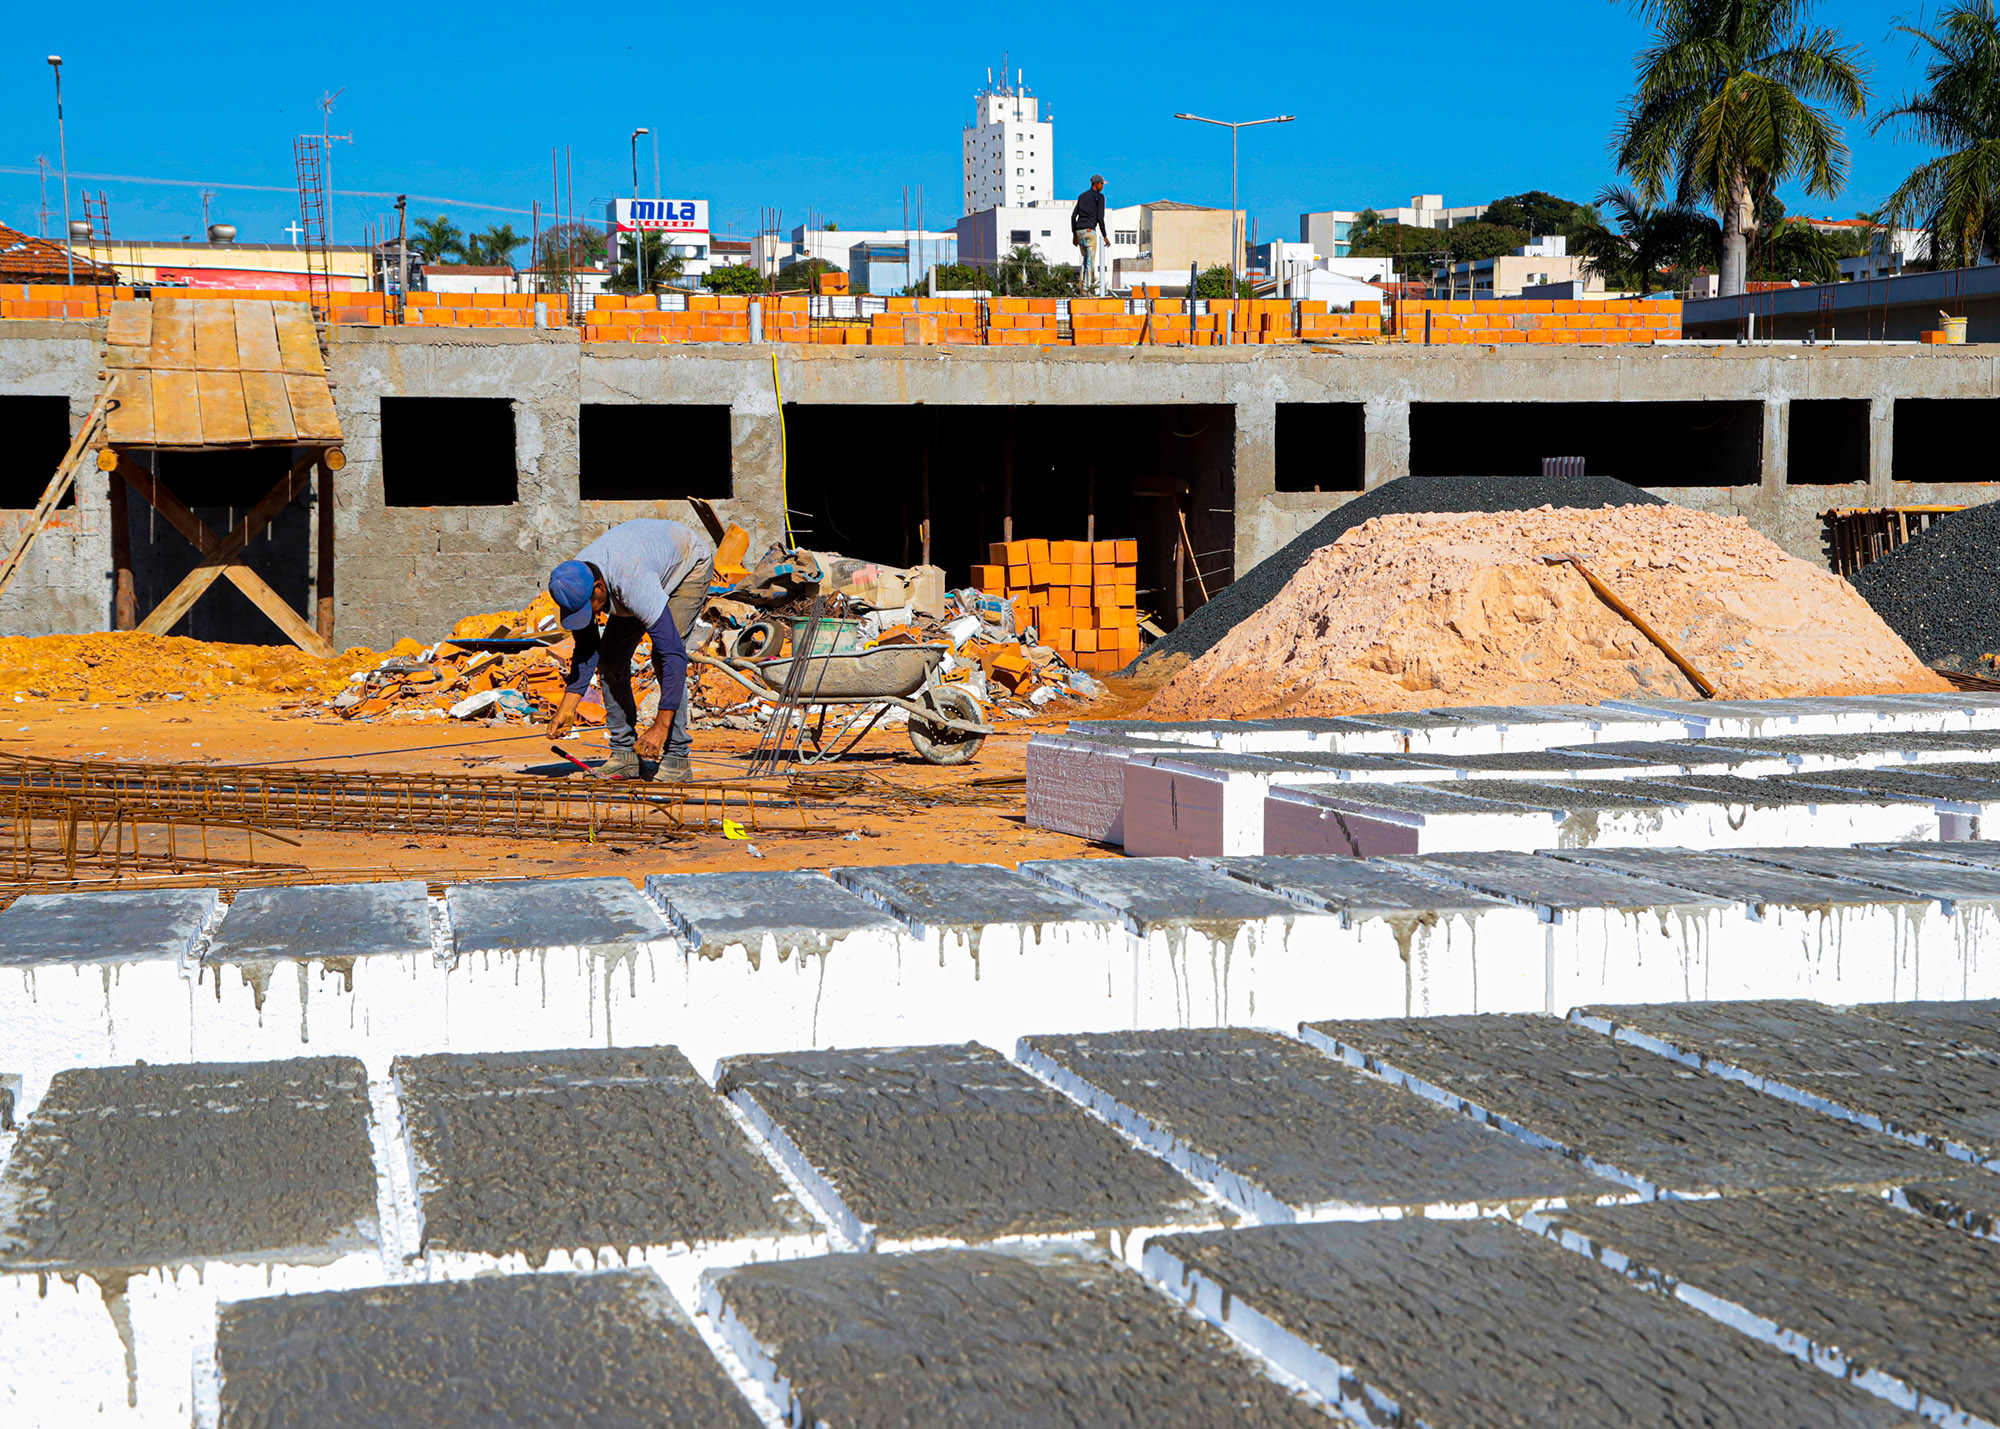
(1235, 236)
(638, 234)
(62, 139)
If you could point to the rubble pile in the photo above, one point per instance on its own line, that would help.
(126, 665)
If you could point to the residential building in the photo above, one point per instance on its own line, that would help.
(1172, 235)
(468, 278)
(1534, 265)
(990, 234)
(681, 222)
(885, 269)
(1010, 149)
(187, 263)
(1331, 231)
(772, 251)
(26, 259)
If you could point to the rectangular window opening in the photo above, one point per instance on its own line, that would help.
(37, 437)
(1651, 444)
(637, 451)
(1828, 443)
(448, 451)
(1321, 446)
(1946, 439)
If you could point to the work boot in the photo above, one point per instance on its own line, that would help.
(623, 764)
(674, 769)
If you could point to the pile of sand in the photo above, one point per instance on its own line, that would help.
(113, 666)
(1437, 609)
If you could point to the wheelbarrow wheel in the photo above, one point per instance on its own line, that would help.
(941, 744)
(757, 639)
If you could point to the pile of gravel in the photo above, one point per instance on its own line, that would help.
(1254, 590)
(1940, 590)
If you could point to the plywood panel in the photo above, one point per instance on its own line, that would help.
(214, 334)
(176, 409)
(298, 339)
(268, 406)
(257, 336)
(130, 423)
(131, 324)
(173, 336)
(312, 408)
(223, 419)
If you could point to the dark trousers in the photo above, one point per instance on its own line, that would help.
(620, 641)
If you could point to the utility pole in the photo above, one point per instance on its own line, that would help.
(1235, 223)
(62, 139)
(326, 141)
(402, 254)
(42, 215)
(638, 234)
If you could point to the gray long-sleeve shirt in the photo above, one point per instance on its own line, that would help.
(642, 562)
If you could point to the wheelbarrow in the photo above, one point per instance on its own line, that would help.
(946, 724)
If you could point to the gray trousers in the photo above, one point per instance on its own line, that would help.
(620, 641)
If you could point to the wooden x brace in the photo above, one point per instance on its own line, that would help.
(224, 557)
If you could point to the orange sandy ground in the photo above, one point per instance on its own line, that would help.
(250, 728)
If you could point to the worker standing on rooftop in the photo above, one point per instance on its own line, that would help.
(1086, 231)
(650, 578)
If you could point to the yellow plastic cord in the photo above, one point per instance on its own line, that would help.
(784, 455)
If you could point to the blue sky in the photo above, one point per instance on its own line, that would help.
(1471, 100)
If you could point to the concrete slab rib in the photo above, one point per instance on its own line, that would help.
(780, 960)
(1209, 950)
(1036, 1338)
(1603, 929)
(1969, 895)
(1370, 820)
(1454, 1324)
(1924, 1090)
(1811, 936)
(345, 969)
(1422, 947)
(909, 1145)
(1201, 802)
(86, 980)
(472, 1354)
(1737, 812)
(1287, 1133)
(1007, 950)
(1895, 1301)
(519, 1155)
(1627, 1113)
(1690, 756)
(598, 963)
(138, 1197)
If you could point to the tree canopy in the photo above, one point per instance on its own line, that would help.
(1735, 97)
(1956, 195)
(804, 274)
(436, 239)
(734, 278)
(1538, 214)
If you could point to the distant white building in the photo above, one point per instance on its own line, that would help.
(682, 224)
(772, 251)
(1010, 149)
(991, 234)
(1330, 230)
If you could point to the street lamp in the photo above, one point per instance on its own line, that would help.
(1235, 235)
(638, 235)
(62, 138)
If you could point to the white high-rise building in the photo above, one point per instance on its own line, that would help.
(1010, 150)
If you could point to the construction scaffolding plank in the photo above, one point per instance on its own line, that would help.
(262, 380)
(298, 340)
(256, 337)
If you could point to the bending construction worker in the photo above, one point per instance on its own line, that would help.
(650, 578)
(1086, 231)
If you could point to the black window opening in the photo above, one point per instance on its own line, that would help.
(1644, 443)
(34, 437)
(635, 451)
(1827, 442)
(1321, 446)
(448, 451)
(1946, 439)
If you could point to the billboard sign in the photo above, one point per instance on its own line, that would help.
(664, 215)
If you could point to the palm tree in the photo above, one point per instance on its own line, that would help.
(436, 239)
(1649, 237)
(1729, 103)
(1956, 195)
(494, 247)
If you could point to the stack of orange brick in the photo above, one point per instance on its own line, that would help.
(58, 300)
(1081, 596)
(1495, 320)
(470, 309)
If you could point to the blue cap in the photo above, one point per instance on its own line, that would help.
(570, 586)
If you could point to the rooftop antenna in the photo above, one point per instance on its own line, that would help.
(326, 139)
(42, 216)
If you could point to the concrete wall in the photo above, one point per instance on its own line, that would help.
(410, 570)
